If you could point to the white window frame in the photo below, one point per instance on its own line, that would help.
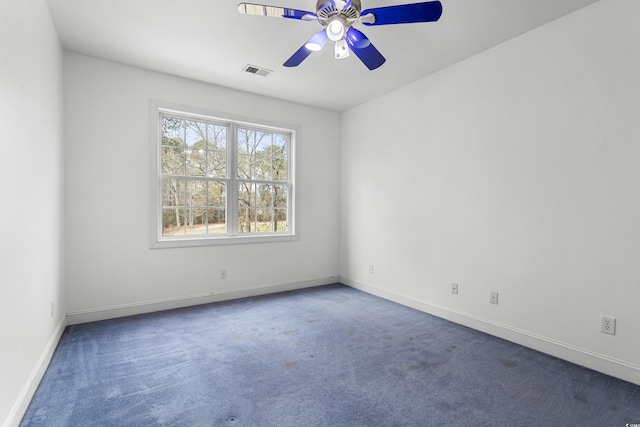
(156, 110)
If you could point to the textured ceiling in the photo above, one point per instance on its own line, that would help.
(208, 40)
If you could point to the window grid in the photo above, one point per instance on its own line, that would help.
(253, 198)
(190, 211)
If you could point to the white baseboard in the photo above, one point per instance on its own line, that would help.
(24, 398)
(598, 362)
(104, 313)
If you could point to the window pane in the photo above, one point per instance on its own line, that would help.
(250, 142)
(195, 134)
(196, 193)
(280, 195)
(264, 195)
(246, 220)
(262, 155)
(262, 208)
(196, 221)
(173, 222)
(264, 218)
(172, 192)
(280, 158)
(262, 142)
(216, 137)
(262, 166)
(280, 223)
(196, 162)
(246, 195)
(217, 164)
(217, 221)
(172, 129)
(217, 194)
(244, 166)
(172, 160)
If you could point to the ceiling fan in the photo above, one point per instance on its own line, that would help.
(338, 17)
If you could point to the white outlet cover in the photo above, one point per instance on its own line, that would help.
(608, 325)
(493, 298)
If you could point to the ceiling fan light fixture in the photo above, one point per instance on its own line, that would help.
(335, 30)
(317, 42)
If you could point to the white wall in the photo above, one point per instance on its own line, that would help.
(31, 201)
(109, 264)
(516, 171)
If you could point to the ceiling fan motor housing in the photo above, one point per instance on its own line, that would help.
(327, 11)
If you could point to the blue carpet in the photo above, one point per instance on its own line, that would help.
(326, 356)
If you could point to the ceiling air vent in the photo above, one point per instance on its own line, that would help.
(257, 70)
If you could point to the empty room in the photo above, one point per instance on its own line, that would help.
(342, 213)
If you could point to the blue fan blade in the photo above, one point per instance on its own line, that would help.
(318, 39)
(275, 11)
(357, 39)
(297, 58)
(363, 49)
(405, 13)
(298, 14)
(345, 7)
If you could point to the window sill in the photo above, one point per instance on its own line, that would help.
(221, 241)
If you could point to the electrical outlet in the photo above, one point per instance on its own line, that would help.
(608, 325)
(370, 268)
(493, 298)
(223, 273)
(454, 288)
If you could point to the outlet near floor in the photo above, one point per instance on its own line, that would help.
(608, 325)
(493, 298)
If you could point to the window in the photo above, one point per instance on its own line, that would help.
(222, 181)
